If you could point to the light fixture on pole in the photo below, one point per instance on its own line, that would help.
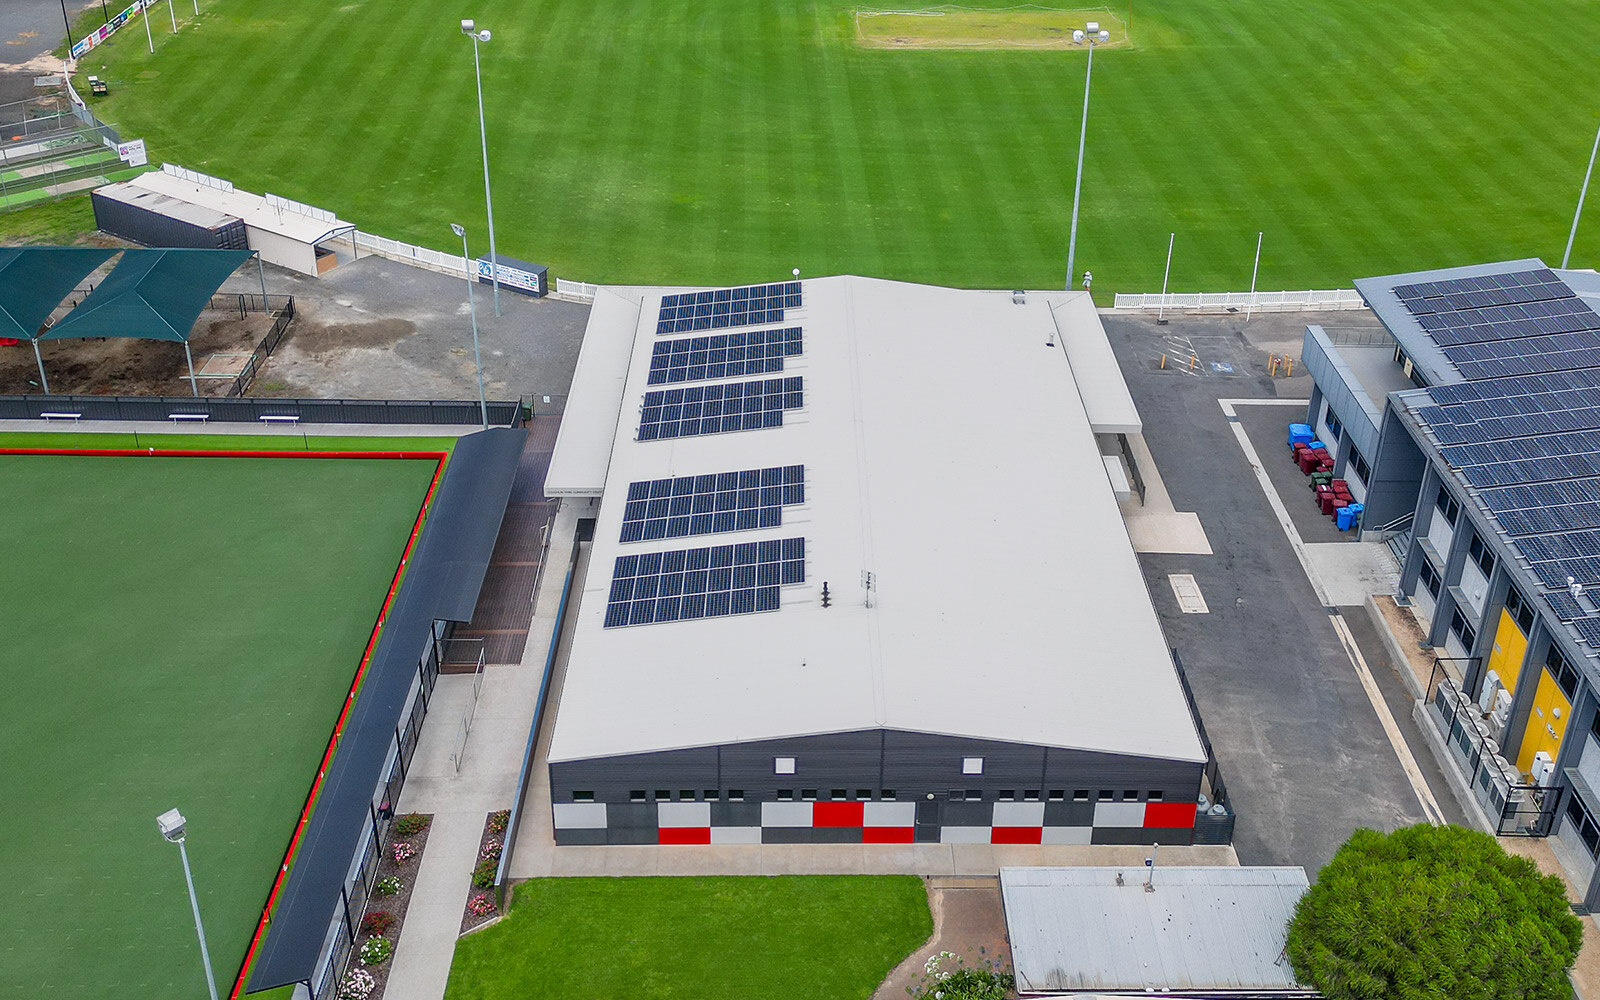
(470, 29)
(1091, 33)
(1582, 193)
(174, 15)
(171, 824)
(472, 307)
(1161, 311)
(148, 38)
(68, 23)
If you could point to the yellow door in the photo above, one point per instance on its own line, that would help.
(1510, 646)
(1547, 722)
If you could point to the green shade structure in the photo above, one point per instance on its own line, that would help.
(152, 295)
(33, 281)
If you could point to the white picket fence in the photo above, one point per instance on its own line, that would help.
(1335, 299)
(408, 253)
(580, 291)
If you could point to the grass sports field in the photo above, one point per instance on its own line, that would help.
(179, 632)
(694, 938)
(723, 141)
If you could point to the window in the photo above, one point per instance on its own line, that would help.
(974, 795)
(735, 795)
(783, 765)
(1446, 505)
(972, 765)
(1578, 819)
(1463, 631)
(1429, 578)
(1594, 727)
(686, 794)
(1566, 678)
(1520, 611)
(1058, 795)
(1107, 795)
(663, 795)
(957, 795)
(1156, 796)
(808, 794)
(839, 793)
(1334, 427)
(712, 795)
(1030, 795)
(863, 793)
(1481, 555)
(1358, 465)
(887, 794)
(1131, 795)
(1081, 795)
(1008, 795)
(785, 795)
(583, 796)
(637, 795)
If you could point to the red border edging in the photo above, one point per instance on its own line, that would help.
(439, 458)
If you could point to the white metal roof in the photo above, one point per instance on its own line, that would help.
(589, 423)
(947, 451)
(174, 208)
(254, 209)
(1106, 399)
(1075, 930)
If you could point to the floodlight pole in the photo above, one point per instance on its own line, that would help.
(68, 23)
(174, 15)
(43, 382)
(1253, 272)
(261, 272)
(1161, 311)
(148, 38)
(472, 307)
(483, 137)
(1083, 134)
(1581, 194)
(199, 928)
(193, 385)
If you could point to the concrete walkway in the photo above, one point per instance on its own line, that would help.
(969, 920)
(461, 801)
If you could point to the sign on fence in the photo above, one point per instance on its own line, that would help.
(132, 153)
(108, 29)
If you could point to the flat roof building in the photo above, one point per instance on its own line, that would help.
(858, 574)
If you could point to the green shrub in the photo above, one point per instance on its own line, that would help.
(376, 951)
(947, 977)
(483, 875)
(411, 824)
(499, 820)
(388, 886)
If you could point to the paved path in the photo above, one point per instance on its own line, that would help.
(968, 920)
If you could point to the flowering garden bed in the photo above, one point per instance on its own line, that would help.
(368, 973)
(481, 906)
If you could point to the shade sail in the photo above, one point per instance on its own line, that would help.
(34, 280)
(151, 295)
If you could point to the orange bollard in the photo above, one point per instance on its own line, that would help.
(1163, 362)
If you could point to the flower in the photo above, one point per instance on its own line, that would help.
(403, 852)
(481, 905)
(491, 849)
(358, 985)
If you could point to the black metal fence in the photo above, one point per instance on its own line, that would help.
(434, 412)
(268, 344)
(1214, 820)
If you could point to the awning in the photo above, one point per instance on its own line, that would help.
(34, 280)
(151, 295)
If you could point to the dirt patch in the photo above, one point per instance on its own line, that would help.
(951, 27)
(126, 367)
(968, 920)
(322, 339)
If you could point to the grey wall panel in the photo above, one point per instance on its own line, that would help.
(614, 779)
(965, 813)
(1397, 471)
(735, 814)
(825, 762)
(786, 835)
(584, 838)
(1069, 814)
(1140, 835)
(928, 762)
(636, 815)
(836, 835)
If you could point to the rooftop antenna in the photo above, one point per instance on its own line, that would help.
(869, 585)
(1150, 863)
(827, 599)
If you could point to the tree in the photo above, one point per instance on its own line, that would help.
(1433, 912)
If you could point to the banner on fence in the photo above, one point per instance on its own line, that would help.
(108, 29)
(132, 153)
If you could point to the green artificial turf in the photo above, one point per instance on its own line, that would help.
(716, 141)
(180, 632)
(826, 937)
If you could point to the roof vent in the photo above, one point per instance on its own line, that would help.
(1019, 297)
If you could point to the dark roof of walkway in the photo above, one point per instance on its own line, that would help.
(151, 295)
(34, 280)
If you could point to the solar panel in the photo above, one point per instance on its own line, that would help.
(715, 409)
(716, 502)
(687, 312)
(723, 355)
(686, 584)
(1589, 629)
(1564, 605)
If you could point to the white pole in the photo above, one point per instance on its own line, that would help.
(1161, 311)
(488, 201)
(44, 383)
(199, 929)
(193, 385)
(1077, 187)
(147, 37)
(196, 8)
(174, 17)
(472, 307)
(1253, 272)
(1585, 190)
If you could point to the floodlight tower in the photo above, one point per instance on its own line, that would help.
(171, 824)
(472, 307)
(471, 30)
(1090, 33)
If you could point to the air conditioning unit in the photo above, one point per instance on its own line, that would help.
(1502, 702)
(1543, 769)
(1486, 694)
(1497, 726)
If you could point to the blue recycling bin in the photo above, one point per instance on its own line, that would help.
(1318, 446)
(1349, 516)
(1300, 434)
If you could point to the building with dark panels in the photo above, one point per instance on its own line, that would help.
(859, 575)
(1471, 426)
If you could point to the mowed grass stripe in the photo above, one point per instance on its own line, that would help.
(647, 142)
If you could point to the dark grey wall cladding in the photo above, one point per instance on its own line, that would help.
(1141, 836)
(910, 764)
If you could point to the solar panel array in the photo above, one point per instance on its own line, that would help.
(710, 582)
(1524, 429)
(724, 307)
(715, 409)
(723, 355)
(703, 505)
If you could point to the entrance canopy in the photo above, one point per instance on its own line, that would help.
(34, 280)
(151, 295)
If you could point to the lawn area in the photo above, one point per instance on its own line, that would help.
(719, 141)
(822, 937)
(180, 632)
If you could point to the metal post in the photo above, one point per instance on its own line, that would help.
(1161, 310)
(196, 7)
(105, 13)
(174, 15)
(472, 308)
(44, 383)
(199, 929)
(148, 38)
(68, 23)
(1077, 187)
(193, 385)
(1253, 272)
(488, 201)
(261, 272)
(1581, 193)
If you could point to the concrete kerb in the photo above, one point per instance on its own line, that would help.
(1393, 647)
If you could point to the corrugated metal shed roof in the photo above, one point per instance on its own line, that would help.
(1075, 930)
